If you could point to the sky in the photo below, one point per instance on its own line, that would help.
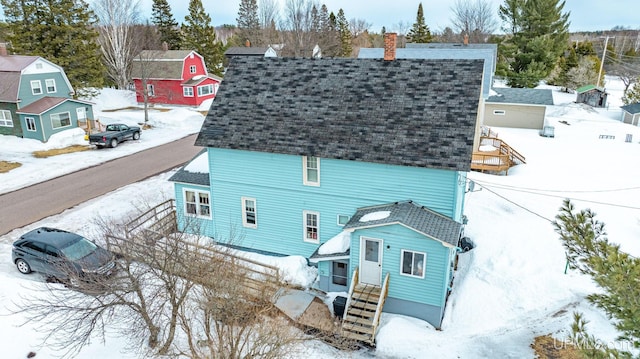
(585, 15)
(507, 290)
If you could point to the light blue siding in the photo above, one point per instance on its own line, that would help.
(275, 181)
(191, 224)
(429, 290)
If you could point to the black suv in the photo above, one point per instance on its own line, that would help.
(62, 255)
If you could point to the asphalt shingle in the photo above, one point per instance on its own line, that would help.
(404, 112)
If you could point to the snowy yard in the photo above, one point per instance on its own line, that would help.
(511, 288)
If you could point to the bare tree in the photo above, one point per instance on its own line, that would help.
(474, 18)
(116, 21)
(297, 26)
(173, 294)
(268, 12)
(583, 74)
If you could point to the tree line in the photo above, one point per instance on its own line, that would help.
(96, 44)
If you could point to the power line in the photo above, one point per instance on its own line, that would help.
(533, 191)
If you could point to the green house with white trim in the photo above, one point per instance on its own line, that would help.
(36, 98)
(359, 165)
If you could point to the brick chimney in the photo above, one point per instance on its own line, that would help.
(247, 43)
(465, 41)
(390, 46)
(3, 49)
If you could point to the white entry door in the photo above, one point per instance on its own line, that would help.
(370, 261)
(81, 113)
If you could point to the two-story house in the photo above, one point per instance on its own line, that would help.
(173, 77)
(359, 165)
(36, 98)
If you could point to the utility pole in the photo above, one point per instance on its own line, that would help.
(604, 52)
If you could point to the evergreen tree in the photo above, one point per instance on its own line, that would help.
(200, 36)
(167, 26)
(616, 272)
(419, 32)
(345, 35)
(328, 36)
(248, 22)
(62, 32)
(539, 35)
(632, 95)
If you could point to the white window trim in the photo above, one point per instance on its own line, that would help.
(305, 180)
(424, 264)
(209, 86)
(26, 121)
(39, 86)
(338, 219)
(197, 203)
(244, 212)
(304, 227)
(192, 69)
(151, 90)
(499, 112)
(46, 85)
(59, 113)
(185, 90)
(6, 120)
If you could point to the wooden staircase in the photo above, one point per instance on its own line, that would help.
(363, 309)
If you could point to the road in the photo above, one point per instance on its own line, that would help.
(30, 204)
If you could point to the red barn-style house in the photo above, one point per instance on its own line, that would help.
(173, 77)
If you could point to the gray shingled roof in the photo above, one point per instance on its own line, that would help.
(522, 96)
(246, 51)
(157, 64)
(191, 177)
(414, 216)
(445, 51)
(404, 112)
(632, 108)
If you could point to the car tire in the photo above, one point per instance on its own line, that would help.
(23, 266)
(136, 135)
(113, 143)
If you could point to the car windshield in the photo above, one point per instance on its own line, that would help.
(78, 249)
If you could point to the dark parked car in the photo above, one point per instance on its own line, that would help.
(60, 254)
(114, 134)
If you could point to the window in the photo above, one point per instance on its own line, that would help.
(196, 203)
(249, 212)
(39, 65)
(413, 263)
(339, 273)
(311, 171)
(187, 91)
(50, 84)
(343, 219)
(205, 90)
(311, 224)
(5, 118)
(192, 69)
(36, 87)
(60, 120)
(151, 91)
(31, 123)
(499, 112)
